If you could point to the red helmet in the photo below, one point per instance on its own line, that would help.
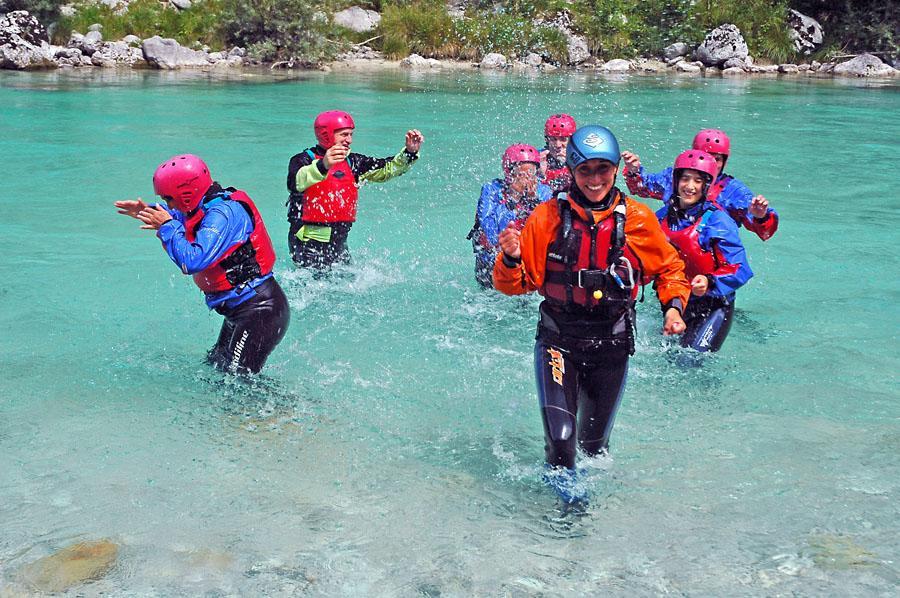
(696, 160)
(713, 141)
(559, 125)
(517, 153)
(184, 180)
(327, 123)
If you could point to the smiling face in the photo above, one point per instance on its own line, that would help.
(690, 187)
(595, 178)
(343, 137)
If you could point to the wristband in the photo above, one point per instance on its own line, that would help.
(511, 262)
(674, 304)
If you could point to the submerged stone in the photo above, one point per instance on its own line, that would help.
(71, 566)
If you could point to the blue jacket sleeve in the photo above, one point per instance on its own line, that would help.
(720, 235)
(656, 185)
(489, 212)
(225, 225)
(735, 199)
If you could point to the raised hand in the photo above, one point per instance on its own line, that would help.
(335, 155)
(759, 207)
(414, 140)
(632, 162)
(509, 241)
(130, 207)
(153, 217)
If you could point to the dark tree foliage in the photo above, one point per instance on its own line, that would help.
(46, 11)
(856, 25)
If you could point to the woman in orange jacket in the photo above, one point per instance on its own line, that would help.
(587, 253)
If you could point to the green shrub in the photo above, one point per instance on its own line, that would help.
(426, 29)
(146, 18)
(288, 30)
(508, 34)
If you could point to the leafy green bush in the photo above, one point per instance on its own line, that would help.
(508, 34)
(146, 18)
(288, 30)
(425, 28)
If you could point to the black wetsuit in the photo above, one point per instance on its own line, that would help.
(317, 254)
(251, 330)
(707, 320)
(581, 364)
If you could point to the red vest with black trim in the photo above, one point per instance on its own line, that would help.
(687, 241)
(577, 263)
(334, 199)
(242, 262)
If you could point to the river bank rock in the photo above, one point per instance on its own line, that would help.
(577, 50)
(675, 50)
(357, 19)
(788, 69)
(687, 67)
(414, 61)
(493, 60)
(721, 44)
(166, 53)
(24, 43)
(864, 65)
(617, 65)
(806, 32)
(71, 566)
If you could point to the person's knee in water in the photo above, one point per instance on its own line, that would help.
(323, 182)
(217, 235)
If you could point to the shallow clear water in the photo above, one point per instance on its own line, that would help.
(394, 445)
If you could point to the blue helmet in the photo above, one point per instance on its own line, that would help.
(592, 142)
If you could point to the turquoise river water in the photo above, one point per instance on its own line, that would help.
(393, 445)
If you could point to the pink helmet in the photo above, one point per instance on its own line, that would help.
(327, 123)
(184, 180)
(559, 125)
(696, 160)
(517, 153)
(713, 141)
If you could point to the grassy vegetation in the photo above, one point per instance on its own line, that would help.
(146, 18)
(300, 31)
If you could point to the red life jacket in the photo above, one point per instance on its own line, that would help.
(687, 242)
(716, 188)
(242, 262)
(578, 262)
(558, 178)
(334, 199)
